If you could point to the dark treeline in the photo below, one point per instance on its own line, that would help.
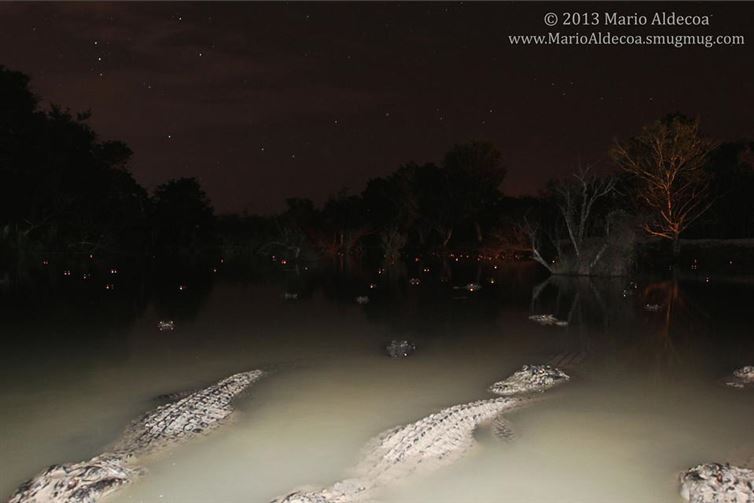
(667, 182)
(68, 197)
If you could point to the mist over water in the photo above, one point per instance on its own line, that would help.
(643, 404)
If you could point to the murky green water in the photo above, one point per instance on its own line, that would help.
(643, 405)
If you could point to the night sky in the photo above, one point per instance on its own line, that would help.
(267, 101)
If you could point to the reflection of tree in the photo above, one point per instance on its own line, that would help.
(601, 319)
(665, 293)
(571, 303)
(678, 311)
(567, 302)
(180, 292)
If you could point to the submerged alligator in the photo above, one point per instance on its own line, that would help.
(742, 377)
(189, 416)
(433, 441)
(400, 349)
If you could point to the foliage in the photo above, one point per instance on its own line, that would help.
(66, 193)
(731, 170)
(182, 221)
(62, 190)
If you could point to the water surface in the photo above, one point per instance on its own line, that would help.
(643, 405)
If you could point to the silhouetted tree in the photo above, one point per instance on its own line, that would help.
(344, 224)
(731, 169)
(474, 172)
(581, 233)
(182, 221)
(61, 189)
(668, 158)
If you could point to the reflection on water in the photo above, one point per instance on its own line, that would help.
(644, 403)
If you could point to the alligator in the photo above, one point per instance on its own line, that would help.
(400, 349)
(195, 414)
(742, 377)
(435, 440)
(548, 320)
(717, 483)
(166, 325)
(721, 482)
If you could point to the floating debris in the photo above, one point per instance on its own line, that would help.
(652, 308)
(166, 325)
(414, 282)
(548, 320)
(362, 299)
(400, 349)
(290, 296)
(717, 483)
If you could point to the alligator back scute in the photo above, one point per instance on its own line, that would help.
(438, 438)
(196, 414)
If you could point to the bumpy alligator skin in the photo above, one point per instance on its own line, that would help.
(742, 378)
(434, 441)
(400, 349)
(718, 483)
(88, 481)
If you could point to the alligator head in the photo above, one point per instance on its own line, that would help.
(742, 377)
(239, 382)
(302, 497)
(343, 491)
(719, 483)
(530, 379)
(83, 482)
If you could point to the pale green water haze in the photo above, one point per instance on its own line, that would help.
(643, 404)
